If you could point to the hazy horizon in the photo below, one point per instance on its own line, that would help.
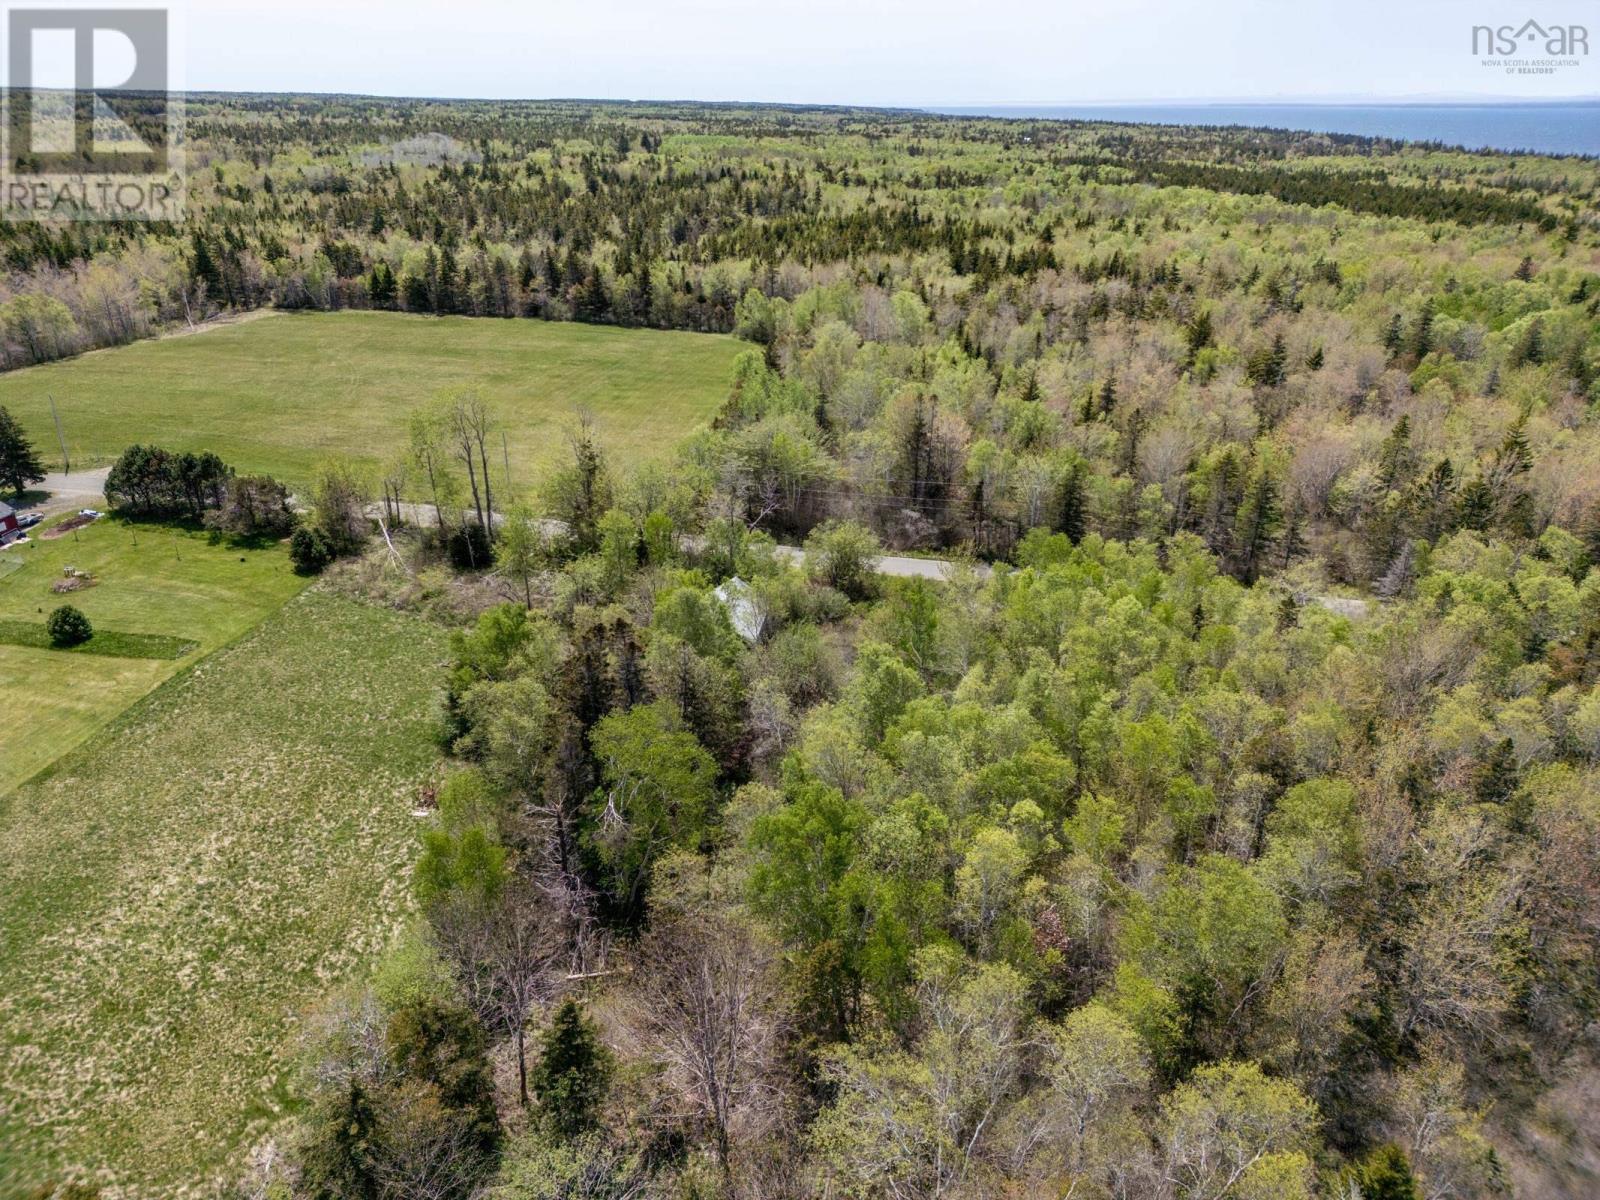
(893, 53)
(942, 106)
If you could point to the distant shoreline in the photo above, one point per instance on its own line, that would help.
(1549, 127)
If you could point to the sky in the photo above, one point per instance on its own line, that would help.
(875, 52)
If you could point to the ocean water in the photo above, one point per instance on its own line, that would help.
(1557, 127)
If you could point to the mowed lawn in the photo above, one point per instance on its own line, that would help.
(153, 579)
(278, 394)
(178, 893)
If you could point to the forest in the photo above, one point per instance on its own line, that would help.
(1224, 825)
(1284, 343)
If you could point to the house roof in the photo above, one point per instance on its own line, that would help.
(5, 510)
(743, 612)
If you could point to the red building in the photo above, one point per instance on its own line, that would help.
(8, 523)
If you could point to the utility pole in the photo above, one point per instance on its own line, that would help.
(505, 450)
(66, 464)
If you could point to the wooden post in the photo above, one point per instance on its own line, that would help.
(66, 464)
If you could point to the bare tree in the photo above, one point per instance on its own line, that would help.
(531, 955)
(429, 455)
(709, 1012)
(469, 422)
(393, 484)
(510, 956)
(429, 1152)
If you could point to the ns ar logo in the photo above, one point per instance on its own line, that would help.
(1531, 39)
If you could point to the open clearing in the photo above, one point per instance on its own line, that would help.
(177, 892)
(154, 580)
(279, 395)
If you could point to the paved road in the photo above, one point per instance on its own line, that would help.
(77, 490)
(898, 566)
(82, 487)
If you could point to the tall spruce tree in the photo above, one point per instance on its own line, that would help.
(573, 1074)
(19, 464)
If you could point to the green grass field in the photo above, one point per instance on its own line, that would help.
(279, 394)
(154, 581)
(177, 892)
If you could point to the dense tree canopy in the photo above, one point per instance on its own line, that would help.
(1222, 822)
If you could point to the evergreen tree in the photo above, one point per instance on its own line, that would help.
(1197, 334)
(592, 302)
(1108, 396)
(1513, 460)
(445, 296)
(1259, 519)
(1434, 501)
(573, 1074)
(1394, 335)
(19, 464)
(1315, 360)
(203, 265)
(1498, 777)
(581, 493)
(1292, 543)
(646, 291)
(1422, 332)
(1477, 506)
(1071, 508)
(418, 297)
(1397, 461)
(382, 285)
(1221, 492)
(1578, 367)
(1266, 367)
(1384, 533)
(1515, 456)
(1530, 346)
(339, 1156)
(1591, 533)
(443, 1046)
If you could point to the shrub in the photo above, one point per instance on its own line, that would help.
(253, 506)
(339, 498)
(1385, 1174)
(68, 627)
(309, 550)
(840, 554)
